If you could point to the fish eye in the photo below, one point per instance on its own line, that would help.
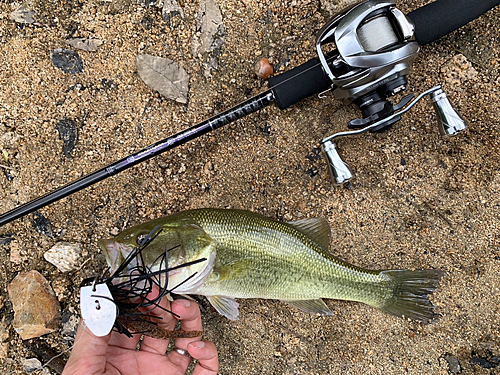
(141, 239)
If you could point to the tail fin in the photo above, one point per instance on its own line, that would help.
(410, 294)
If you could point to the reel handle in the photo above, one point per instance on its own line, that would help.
(437, 19)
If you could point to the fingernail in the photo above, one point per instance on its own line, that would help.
(197, 344)
(183, 302)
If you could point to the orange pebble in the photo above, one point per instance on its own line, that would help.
(264, 69)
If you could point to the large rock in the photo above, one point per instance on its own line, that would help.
(210, 29)
(210, 34)
(36, 309)
(165, 76)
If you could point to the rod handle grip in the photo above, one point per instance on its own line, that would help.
(299, 83)
(437, 19)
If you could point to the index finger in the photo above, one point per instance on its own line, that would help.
(164, 319)
(190, 320)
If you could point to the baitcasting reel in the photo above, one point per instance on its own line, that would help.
(372, 45)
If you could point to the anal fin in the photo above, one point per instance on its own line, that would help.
(311, 306)
(225, 306)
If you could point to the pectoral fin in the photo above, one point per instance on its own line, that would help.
(311, 306)
(225, 306)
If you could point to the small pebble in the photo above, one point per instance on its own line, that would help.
(493, 362)
(15, 253)
(90, 45)
(22, 15)
(6, 238)
(42, 224)
(31, 365)
(263, 69)
(64, 255)
(171, 9)
(68, 133)
(66, 60)
(70, 326)
(453, 363)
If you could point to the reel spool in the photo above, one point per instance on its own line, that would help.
(377, 34)
(374, 45)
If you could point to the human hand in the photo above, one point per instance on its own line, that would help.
(116, 354)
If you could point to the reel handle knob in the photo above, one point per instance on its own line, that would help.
(449, 121)
(339, 172)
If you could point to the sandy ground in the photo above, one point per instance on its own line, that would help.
(418, 200)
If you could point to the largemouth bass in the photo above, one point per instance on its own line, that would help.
(251, 256)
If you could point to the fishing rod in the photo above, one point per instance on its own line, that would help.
(371, 47)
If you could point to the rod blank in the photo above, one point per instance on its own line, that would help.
(239, 111)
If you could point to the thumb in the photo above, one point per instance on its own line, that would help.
(88, 354)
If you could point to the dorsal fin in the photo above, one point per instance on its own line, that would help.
(317, 229)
